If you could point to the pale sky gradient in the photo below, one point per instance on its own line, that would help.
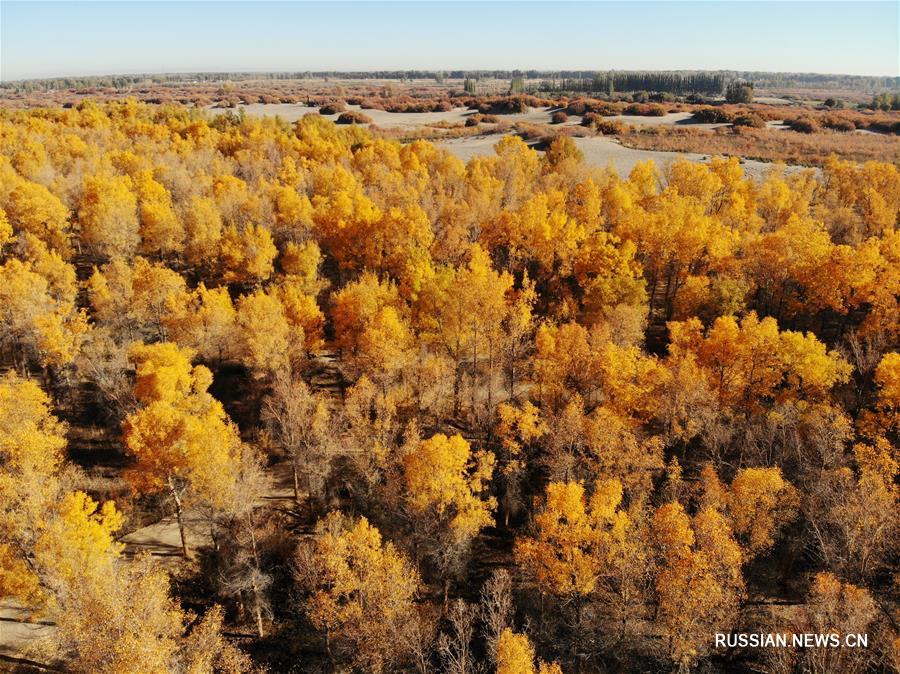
(47, 39)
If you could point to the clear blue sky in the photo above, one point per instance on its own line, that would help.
(45, 39)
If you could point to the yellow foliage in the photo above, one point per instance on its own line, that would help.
(363, 589)
(78, 545)
(181, 437)
(246, 256)
(34, 316)
(108, 215)
(264, 332)
(33, 209)
(698, 580)
(577, 541)
(444, 476)
(203, 321)
(760, 503)
(750, 362)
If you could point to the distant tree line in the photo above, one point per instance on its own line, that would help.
(816, 80)
(561, 80)
(675, 83)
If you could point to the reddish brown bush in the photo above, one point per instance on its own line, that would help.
(712, 116)
(839, 124)
(804, 125)
(612, 128)
(332, 108)
(751, 120)
(643, 110)
(353, 117)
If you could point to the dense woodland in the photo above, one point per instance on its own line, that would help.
(675, 83)
(534, 417)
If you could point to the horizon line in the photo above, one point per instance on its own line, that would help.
(473, 71)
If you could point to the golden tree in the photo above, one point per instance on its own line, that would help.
(362, 591)
(445, 481)
(182, 440)
(108, 215)
(698, 579)
(515, 655)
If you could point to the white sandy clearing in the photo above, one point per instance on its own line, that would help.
(670, 119)
(291, 112)
(604, 152)
(773, 100)
(294, 111)
(599, 151)
(21, 635)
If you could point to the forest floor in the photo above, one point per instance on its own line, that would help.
(25, 637)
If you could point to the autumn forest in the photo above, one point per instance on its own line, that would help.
(383, 410)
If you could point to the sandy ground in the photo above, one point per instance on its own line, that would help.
(391, 120)
(599, 151)
(604, 152)
(772, 100)
(671, 119)
(394, 120)
(20, 638)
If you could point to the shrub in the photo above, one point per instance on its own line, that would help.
(804, 125)
(712, 116)
(612, 128)
(353, 117)
(739, 92)
(652, 110)
(640, 97)
(332, 108)
(751, 120)
(839, 124)
(578, 107)
(562, 148)
(559, 117)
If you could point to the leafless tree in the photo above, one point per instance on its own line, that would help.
(455, 647)
(496, 608)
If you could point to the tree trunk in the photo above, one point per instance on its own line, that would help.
(474, 376)
(179, 516)
(490, 382)
(257, 604)
(457, 375)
